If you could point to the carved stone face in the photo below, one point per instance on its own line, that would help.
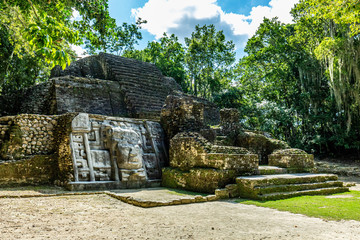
(126, 145)
(129, 156)
(128, 148)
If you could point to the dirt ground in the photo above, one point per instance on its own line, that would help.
(104, 217)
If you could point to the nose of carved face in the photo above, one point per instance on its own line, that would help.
(130, 157)
(134, 154)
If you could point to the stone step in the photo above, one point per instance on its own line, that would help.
(280, 179)
(147, 103)
(149, 107)
(144, 84)
(149, 115)
(137, 70)
(145, 100)
(138, 94)
(146, 107)
(228, 150)
(296, 187)
(221, 140)
(277, 186)
(269, 170)
(143, 67)
(318, 191)
(140, 76)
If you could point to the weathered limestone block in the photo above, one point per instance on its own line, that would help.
(222, 193)
(39, 169)
(197, 179)
(189, 150)
(293, 158)
(230, 122)
(259, 144)
(101, 164)
(185, 113)
(90, 67)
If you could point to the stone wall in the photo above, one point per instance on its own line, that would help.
(295, 160)
(80, 147)
(27, 149)
(38, 169)
(101, 84)
(38, 99)
(26, 134)
(260, 144)
(190, 150)
(78, 94)
(143, 87)
(185, 113)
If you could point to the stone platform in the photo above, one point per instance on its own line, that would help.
(279, 186)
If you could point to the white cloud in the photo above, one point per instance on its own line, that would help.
(80, 52)
(180, 17)
(162, 15)
(75, 16)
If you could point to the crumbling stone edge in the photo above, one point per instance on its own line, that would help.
(127, 199)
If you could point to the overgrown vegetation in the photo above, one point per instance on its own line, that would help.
(300, 82)
(344, 206)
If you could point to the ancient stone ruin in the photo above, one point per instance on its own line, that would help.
(108, 122)
(222, 157)
(102, 84)
(45, 139)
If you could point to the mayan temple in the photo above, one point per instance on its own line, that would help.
(108, 122)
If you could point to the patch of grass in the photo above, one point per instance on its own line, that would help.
(343, 206)
(181, 192)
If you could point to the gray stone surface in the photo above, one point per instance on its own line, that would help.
(101, 84)
(114, 149)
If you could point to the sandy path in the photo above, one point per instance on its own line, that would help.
(103, 217)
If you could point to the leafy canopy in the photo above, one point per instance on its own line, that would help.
(46, 28)
(208, 58)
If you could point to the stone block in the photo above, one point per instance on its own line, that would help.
(222, 193)
(294, 159)
(189, 150)
(197, 179)
(187, 113)
(259, 143)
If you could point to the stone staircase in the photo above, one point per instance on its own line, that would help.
(143, 85)
(280, 186)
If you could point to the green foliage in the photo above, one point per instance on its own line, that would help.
(344, 206)
(37, 35)
(46, 28)
(231, 98)
(18, 71)
(208, 59)
(289, 92)
(203, 68)
(337, 46)
(120, 39)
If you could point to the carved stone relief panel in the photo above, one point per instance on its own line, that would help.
(116, 149)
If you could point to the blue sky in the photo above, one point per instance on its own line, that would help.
(239, 19)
